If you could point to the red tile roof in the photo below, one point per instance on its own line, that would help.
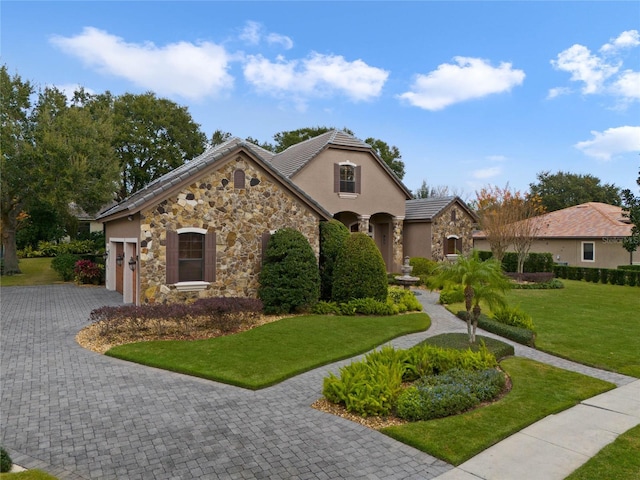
(588, 220)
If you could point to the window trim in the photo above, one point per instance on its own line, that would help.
(209, 273)
(593, 251)
(446, 246)
(357, 179)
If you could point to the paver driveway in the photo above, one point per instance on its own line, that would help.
(78, 414)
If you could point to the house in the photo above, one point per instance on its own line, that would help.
(200, 229)
(586, 235)
(438, 228)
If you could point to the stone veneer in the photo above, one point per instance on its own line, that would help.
(238, 216)
(443, 226)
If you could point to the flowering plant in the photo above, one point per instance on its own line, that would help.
(86, 271)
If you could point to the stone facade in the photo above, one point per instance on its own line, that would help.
(238, 214)
(451, 221)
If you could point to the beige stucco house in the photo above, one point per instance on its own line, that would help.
(586, 235)
(200, 230)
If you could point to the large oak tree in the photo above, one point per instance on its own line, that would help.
(563, 189)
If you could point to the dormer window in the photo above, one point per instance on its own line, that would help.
(347, 178)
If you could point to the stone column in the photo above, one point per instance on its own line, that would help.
(363, 223)
(398, 247)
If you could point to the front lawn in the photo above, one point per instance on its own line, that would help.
(537, 390)
(35, 271)
(590, 323)
(274, 352)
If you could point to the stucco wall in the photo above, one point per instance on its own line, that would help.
(609, 252)
(379, 194)
(239, 217)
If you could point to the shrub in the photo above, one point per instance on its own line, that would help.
(517, 334)
(326, 308)
(64, 265)
(450, 393)
(332, 236)
(359, 271)
(452, 294)
(513, 316)
(535, 262)
(86, 271)
(5, 461)
(551, 284)
(289, 280)
(404, 299)
(368, 306)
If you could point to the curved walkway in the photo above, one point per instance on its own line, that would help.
(80, 415)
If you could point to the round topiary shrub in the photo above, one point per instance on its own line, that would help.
(289, 280)
(359, 271)
(332, 237)
(5, 461)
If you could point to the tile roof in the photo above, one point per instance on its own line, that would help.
(294, 158)
(428, 208)
(587, 220)
(185, 171)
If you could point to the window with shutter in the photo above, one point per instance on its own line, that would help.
(191, 256)
(347, 178)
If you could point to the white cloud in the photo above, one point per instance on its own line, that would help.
(485, 173)
(601, 73)
(497, 158)
(314, 76)
(611, 142)
(185, 69)
(557, 91)
(628, 39)
(466, 79)
(253, 34)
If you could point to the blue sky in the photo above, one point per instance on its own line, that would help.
(472, 93)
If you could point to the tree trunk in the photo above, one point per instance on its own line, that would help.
(476, 316)
(9, 249)
(468, 299)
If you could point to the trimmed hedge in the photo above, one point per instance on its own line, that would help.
(359, 271)
(332, 237)
(535, 262)
(290, 279)
(614, 276)
(517, 334)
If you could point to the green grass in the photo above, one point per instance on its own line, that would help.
(35, 271)
(538, 390)
(28, 475)
(619, 460)
(460, 341)
(590, 323)
(274, 352)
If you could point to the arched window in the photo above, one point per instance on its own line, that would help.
(191, 256)
(453, 245)
(347, 178)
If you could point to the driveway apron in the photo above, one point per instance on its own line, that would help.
(81, 415)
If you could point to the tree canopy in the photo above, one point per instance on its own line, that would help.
(53, 154)
(563, 189)
(153, 136)
(631, 209)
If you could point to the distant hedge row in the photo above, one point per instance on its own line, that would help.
(614, 276)
(535, 262)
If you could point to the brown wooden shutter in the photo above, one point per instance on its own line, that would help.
(358, 179)
(336, 178)
(265, 241)
(459, 245)
(173, 251)
(210, 257)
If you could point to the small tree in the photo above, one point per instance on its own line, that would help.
(525, 229)
(332, 237)
(359, 271)
(289, 280)
(632, 212)
(496, 217)
(482, 281)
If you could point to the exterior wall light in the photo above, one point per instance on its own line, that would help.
(119, 260)
(132, 263)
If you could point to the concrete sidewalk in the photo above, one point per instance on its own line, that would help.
(557, 445)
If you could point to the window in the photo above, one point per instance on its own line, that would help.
(238, 179)
(347, 178)
(191, 256)
(588, 252)
(452, 245)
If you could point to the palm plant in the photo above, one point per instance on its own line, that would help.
(482, 281)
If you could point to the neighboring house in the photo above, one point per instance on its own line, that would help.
(586, 235)
(200, 229)
(438, 228)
